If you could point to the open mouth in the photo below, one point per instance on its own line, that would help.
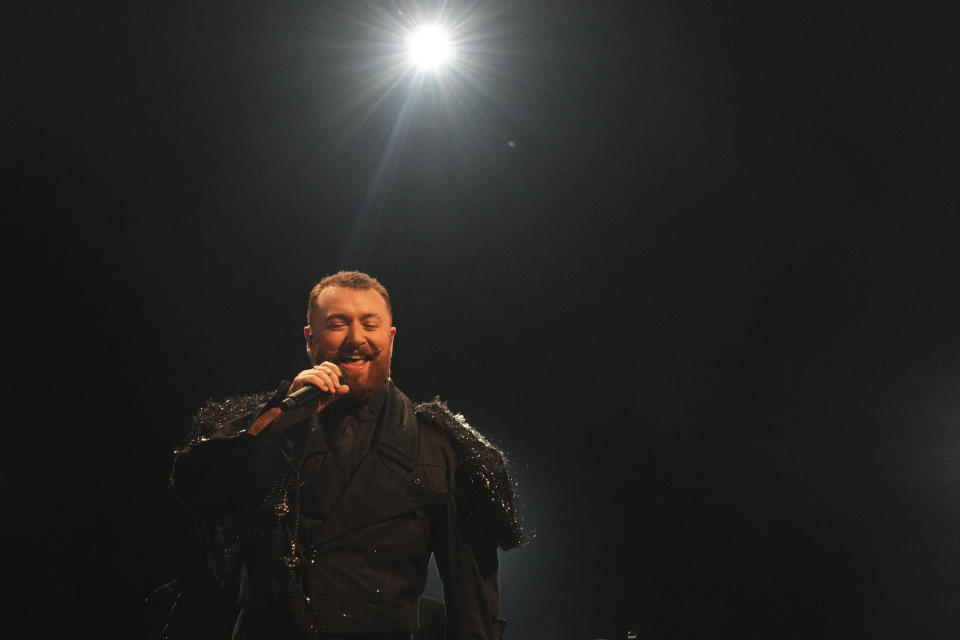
(355, 361)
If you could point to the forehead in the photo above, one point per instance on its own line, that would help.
(352, 302)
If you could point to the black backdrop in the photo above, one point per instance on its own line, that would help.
(692, 266)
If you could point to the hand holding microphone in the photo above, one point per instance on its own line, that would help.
(323, 383)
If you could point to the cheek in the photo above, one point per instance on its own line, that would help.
(325, 345)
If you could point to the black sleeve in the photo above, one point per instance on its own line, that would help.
(221, 476)
(469, 568)
(224, 469)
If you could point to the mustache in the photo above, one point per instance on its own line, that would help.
(367, 352)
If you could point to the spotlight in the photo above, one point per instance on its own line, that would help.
(429, 47)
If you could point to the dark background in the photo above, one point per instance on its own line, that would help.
(692, 265)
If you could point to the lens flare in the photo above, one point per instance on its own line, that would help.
(430, 47)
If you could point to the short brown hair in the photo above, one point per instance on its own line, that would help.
(348, 280)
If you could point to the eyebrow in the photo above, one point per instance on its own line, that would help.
(346, 317)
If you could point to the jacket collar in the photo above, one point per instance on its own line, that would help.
(397, 437)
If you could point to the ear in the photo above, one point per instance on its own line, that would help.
(308, 337)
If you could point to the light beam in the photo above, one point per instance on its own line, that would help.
(429, 48)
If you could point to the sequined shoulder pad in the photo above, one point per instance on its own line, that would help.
(485, 493)
(225, 418)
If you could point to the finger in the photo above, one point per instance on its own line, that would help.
(333, 371)
(316, 378)
(332, 368)
(324, 380)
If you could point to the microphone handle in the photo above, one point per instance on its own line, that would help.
(302, 396)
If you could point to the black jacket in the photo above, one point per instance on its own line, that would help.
(430, 484)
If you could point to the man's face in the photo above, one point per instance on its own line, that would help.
(352, 328)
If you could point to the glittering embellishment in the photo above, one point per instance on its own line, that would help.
(488, 496)
(225, 418)
(292, 560)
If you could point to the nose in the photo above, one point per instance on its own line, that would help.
(355, 336)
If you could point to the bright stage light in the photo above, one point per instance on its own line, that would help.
(430, 47)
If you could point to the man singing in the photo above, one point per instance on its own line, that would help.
(327, 509)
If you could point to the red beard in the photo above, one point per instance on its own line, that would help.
(368, 383)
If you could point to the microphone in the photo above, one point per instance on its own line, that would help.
(305, 395)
